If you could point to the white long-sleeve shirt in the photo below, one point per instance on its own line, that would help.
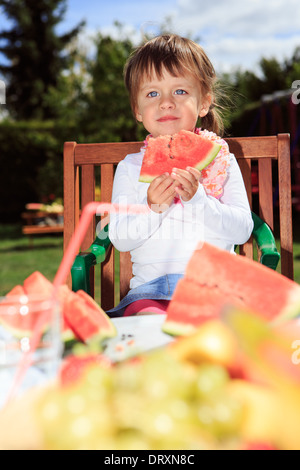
(163, 243)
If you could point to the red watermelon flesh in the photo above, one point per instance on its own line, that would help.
(87, 319)
(35, 286)
(81, 315)
(16, 291)
(234, 280)
(184, 149)
(37, 283)
(20, 318)
(191, 306)
(73, 367)
(23, 325)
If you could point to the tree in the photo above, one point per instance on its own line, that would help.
(108, 115)
(36, 55)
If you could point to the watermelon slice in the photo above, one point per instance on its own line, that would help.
(82, 318)
(37, 283)
(87, 319)
(28, 310)
(19, 327)
(215, 278)
(16, 291)
(191, 306)
(73, 367)
(184, 149)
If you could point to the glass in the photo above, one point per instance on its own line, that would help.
(20, 317)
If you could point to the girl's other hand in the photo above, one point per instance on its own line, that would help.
(189, 182)
(161, 193)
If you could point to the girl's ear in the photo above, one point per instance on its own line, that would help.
(205, 105)
(138, 115)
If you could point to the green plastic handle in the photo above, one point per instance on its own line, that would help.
(265, 240)
(96, 254)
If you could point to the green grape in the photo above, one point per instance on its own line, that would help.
(222, 416)
(132, 439)
(128, 377)
(164, 376)
(210, 380)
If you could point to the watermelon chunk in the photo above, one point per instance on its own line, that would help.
(29, 308)
(215, 278)
(191, 306)
(73, 367)
(184, 149)
(82, 318)
(37, 283)
(87, 319)
(16, 291)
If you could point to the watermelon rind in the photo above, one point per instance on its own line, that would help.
(146, 178)
(68, 338)
(174, 328)
(17, 333)
(292, 309)
(210, 157)
(23, 325)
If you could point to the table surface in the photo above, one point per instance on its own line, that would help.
(136, 334)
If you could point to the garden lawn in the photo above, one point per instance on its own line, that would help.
(19, 258)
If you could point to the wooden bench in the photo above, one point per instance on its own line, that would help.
(84, 162)
(31, 227)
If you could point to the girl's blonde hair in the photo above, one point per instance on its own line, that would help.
(177, 55)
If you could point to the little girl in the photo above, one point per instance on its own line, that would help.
(171, 84)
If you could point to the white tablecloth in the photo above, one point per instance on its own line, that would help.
(136, 334)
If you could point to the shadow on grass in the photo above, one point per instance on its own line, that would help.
(36, 247)
(13, 240)
(10, 231)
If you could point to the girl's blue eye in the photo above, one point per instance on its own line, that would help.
(180, 92)
(153, 94)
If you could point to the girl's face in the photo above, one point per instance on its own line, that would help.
(169, 104)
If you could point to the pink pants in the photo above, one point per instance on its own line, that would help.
(146, 306)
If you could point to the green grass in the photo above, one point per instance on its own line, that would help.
(18, 259)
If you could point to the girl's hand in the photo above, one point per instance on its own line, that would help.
(189, 182)
(161, 193)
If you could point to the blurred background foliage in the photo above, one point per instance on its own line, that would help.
(58, 90)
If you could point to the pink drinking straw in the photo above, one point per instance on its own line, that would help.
(72, 250)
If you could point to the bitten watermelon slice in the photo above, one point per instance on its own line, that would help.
(215, 278)
(191, 306)
(87, 319)
(35, 286)
(184, 149)
(24, 323)
(37, 283)
(81, 315)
